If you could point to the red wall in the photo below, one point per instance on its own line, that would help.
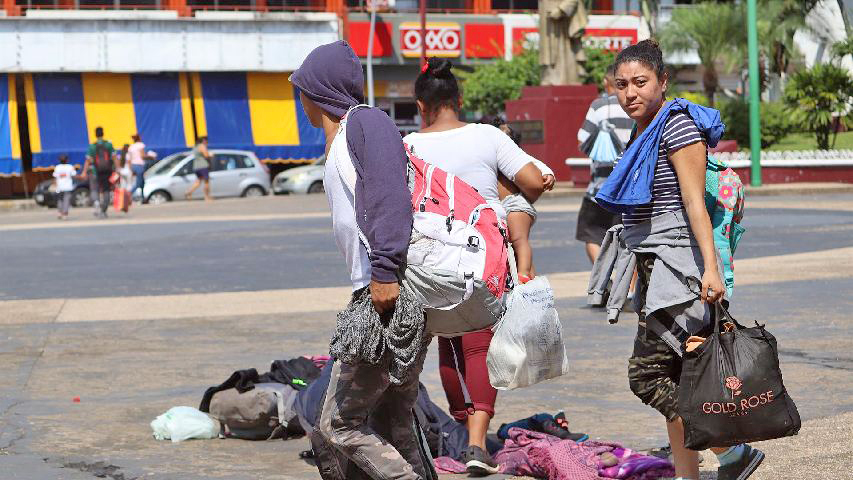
(769, 175)
(562, 110)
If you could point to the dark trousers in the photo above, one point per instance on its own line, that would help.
(104, 192)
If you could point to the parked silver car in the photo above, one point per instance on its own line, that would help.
(233, 173)
(304, 179)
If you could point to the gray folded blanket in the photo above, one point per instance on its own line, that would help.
(362, 335)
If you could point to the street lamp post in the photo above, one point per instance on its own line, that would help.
(372, 5)
(422, 13)
(754, 95)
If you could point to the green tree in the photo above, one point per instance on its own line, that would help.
(775, 122)
(843, 48)
(777, 23)
(710, 29)
(597, 61)
(488, 87)
(817, 97)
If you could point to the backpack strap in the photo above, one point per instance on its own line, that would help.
(448, 184)
(467, 396)
(513, 267)
(430, 169)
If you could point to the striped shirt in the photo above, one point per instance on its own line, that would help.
(679, 132)
(604, 109)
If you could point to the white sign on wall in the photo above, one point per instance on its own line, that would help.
(443, 39)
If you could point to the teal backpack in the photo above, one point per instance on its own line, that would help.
(724, 199)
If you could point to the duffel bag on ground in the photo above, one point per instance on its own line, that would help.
(262, 413)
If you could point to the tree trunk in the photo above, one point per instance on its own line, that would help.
(710, 83)
(822, 135)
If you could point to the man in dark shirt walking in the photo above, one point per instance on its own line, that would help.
(101, 162)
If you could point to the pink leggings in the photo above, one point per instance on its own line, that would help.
(471, 350)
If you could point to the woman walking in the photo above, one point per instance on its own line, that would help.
(136, 154)
(667, 228)
(201, 167)
(477, 154)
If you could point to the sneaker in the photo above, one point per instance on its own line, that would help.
(743, 468)
(666, 454)
(478, 462)
(551, 428)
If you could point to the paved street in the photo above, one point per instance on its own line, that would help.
(140, 313)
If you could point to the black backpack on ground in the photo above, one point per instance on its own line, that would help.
(103, 159)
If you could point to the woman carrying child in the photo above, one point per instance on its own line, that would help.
(478, 154)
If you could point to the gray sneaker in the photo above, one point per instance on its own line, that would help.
(478, 462)
(743, 468)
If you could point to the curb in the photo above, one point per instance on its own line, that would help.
(565, 190)
(18, 205)
(799, 189)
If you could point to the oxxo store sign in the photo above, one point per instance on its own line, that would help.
(475, 37)
(443, 39)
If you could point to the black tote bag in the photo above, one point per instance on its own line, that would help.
(731, 388)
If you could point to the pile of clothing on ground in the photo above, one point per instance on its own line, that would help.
(286, 401)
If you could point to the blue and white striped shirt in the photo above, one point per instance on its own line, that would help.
(680, 131)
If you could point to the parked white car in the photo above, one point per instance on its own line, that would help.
(233, 173)
(304, 179)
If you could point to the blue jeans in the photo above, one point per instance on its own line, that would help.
(138, 172)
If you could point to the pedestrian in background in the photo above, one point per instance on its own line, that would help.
(121, 192)
(101, 162)
(201, 166)
(63, 175)
(604, 115)
(136, 153)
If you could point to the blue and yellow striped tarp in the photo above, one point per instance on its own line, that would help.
(10, 145)
(64, 109)
(254, 111)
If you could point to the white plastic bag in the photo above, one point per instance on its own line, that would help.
(183, 423)
(528, 344)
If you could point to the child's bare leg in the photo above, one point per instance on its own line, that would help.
(519, 224)
(506, 187)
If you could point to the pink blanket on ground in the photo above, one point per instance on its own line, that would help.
(543, 456)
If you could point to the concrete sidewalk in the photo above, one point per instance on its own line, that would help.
(561, 190)
(567, 189)
(810, 266)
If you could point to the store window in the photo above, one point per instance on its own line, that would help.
(90, 4)
(515, 4)
(253, 4)
(596, 6)
(413, 5)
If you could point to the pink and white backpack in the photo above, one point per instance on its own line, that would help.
(455, 231)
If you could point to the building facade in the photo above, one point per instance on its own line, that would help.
(173, 70)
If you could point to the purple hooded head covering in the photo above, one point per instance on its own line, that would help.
(331, 77)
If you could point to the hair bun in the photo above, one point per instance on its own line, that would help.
(440, 67)
(650, 43)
